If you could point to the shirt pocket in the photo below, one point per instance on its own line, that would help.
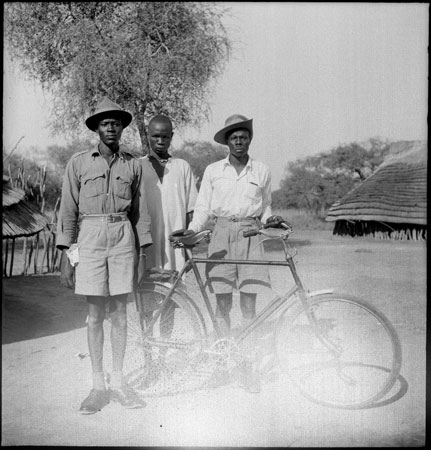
(94, 185)
(123, 187)
(253, 191)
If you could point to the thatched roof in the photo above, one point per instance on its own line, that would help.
(395, 193)
(11, 196)
(19, 218)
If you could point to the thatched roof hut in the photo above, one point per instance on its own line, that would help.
(393, 200)
(19, 217)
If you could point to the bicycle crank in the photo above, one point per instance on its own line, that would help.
(225, 352)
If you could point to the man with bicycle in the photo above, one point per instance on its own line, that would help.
(236, 191)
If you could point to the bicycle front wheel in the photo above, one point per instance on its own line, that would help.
(346, 354)
(159, 360)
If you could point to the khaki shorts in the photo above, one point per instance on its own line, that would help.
(107, 258)
(228, 242)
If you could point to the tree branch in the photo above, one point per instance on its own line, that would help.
(14, 148)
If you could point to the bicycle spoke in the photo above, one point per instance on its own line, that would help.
(364, 369)
(159, 360)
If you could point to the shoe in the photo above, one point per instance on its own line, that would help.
(250, 378)
(127, 397)
(95, 401)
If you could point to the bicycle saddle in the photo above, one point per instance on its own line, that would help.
(177, 238)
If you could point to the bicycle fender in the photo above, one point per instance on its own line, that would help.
(320, 292)
(312, 294)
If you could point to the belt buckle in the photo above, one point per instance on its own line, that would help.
(110, 218)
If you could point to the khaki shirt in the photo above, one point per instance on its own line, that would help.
(91, 186)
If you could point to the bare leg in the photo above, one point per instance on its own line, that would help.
(248, 307)
(224, 306)
(95, 336)
(118, 331)
(250, 374)
(119, 391)
(98, 397)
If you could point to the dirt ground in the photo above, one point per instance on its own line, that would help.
(44, 380)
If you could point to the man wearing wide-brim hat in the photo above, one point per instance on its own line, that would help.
(102, 193)
(236, 191)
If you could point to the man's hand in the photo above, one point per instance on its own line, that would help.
(277, 221)
(67, 274)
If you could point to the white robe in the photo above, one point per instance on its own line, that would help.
(168, 202)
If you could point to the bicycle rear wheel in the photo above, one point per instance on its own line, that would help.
(160, 361)
(367, 358)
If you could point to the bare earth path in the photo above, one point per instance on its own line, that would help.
(44, 381)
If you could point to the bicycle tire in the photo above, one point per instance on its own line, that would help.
(165, 363)
(370, 359)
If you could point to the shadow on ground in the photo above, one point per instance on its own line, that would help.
(38, 306)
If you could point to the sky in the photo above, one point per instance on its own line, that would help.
(312, 76)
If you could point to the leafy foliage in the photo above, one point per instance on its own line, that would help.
(316, 182)
(150, 57)
(199, 155)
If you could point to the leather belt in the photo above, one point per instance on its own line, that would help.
(238, 219)
(114, 217)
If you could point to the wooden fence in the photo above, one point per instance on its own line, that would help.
(35, 254)
(380, 230)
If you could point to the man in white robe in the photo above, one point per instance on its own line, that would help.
(171, 195)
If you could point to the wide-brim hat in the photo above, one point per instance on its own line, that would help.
(104, 107)
(234, 122)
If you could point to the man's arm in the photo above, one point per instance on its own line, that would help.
(139, 215)
(266, 197)
(189, 218)
(67, 271)
(143, 222)
(67, 222)
(203, 204)
(191, 191)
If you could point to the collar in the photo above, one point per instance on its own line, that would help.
(96, 152)
(248, 166)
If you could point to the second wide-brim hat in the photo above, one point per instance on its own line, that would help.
(234, 122)
(104, 107)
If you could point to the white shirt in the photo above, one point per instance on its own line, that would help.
(224, 193)
(168, 202)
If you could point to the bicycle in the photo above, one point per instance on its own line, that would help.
(339, 350)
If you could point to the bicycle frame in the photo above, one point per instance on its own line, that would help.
(272, 307)
(275, 305)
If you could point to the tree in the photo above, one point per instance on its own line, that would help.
(316, 182)
(150, 57)
(199, 155)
